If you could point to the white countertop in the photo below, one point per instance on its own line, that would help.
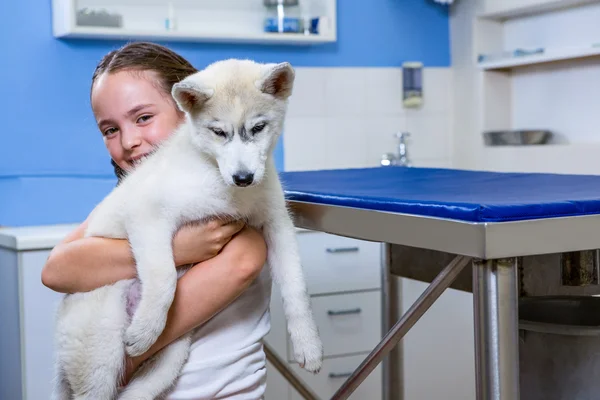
(38, 237)
(34, 237)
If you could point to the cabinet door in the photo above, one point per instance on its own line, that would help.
(38, 310)
(277, 387)
(335, 264)
(10, 334)
(335, 372)
(348, 323)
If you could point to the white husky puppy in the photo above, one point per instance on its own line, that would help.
(218, 163)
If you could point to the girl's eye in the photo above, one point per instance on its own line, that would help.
(218, 132)
(144, 118)
(109, 131)
(258, 127)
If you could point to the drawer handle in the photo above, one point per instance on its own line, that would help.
(342, 249)
(345, 312)
(334, 375)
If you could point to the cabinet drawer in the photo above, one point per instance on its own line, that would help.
(334, 263)
(348, 323)
(334, 373)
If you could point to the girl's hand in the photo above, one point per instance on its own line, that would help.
(198, 242)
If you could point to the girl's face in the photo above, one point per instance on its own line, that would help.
(133, 114)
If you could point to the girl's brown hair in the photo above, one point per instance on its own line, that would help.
(168, 66)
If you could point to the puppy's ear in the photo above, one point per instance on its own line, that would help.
(277, 80)
(190, 95)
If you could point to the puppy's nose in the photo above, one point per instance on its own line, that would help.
(243, 178)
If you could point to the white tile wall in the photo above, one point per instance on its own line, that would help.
(346, 117)
(563, 98)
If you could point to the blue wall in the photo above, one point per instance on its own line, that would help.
(53, 165)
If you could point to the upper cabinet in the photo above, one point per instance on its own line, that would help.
(302, 22)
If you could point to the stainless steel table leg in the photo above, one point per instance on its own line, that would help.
(408, 320)
(495, 302)
(392, 376)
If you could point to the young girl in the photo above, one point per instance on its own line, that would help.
(226, 293)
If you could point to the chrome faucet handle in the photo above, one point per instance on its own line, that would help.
(402, 156)
(402, 135)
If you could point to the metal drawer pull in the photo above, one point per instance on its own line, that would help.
(345, 312)
(333, 375)
(342, 249)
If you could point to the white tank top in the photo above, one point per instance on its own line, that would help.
(227, 359)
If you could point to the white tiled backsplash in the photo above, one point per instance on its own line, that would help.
(563, 98)
(347, 117)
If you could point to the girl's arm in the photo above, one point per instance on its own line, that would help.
(81, 264)
(209, 287)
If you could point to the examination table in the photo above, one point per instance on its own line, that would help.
(432, 223)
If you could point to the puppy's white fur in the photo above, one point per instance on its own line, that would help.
(234, 115)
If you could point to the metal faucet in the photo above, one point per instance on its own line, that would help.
(401, 157)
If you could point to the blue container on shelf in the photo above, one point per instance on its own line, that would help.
(289, 25)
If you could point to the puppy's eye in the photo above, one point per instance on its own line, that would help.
(258, 127)
(219, 132)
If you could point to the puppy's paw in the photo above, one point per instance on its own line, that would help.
(308, 348)
(142, 334)
(310, 356)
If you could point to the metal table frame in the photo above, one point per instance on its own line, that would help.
(492, 249)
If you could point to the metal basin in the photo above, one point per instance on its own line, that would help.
(559, 351)
(561, 315)
(516, 137)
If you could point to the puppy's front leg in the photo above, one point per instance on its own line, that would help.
(284, 260)
(151, 243)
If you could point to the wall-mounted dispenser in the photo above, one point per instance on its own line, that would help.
(412, 84)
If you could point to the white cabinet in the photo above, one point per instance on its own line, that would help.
(10, 330)
(344, 282)
(28, 308)
(189, 20)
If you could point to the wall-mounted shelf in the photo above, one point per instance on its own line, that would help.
(256, 38)
(517, 86)
(549, 55)
(218, 21)
(533, 8)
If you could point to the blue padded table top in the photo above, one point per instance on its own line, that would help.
(472, 196)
